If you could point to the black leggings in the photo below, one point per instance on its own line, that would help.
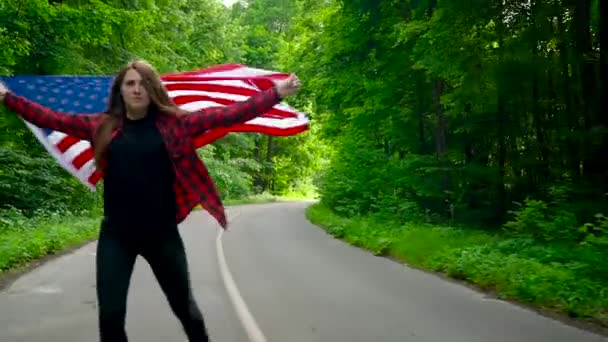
(116, 254)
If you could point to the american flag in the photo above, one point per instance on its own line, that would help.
(219, 85)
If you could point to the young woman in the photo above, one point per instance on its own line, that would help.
(152, 179)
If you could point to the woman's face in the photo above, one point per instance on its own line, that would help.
(134, 92)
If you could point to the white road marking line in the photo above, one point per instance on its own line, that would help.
(251, 327)
(46, 290)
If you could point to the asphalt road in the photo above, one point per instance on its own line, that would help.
(292, 283)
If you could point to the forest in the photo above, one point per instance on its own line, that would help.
(463, 137)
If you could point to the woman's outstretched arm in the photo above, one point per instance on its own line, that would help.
(78, 125)
(240, 112)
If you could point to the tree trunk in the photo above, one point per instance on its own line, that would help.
(603, 94)
(583, 51)
(572, 143)
(268, 173)
(421, 114)
(258, 180)
(441, 138)
(500, 111)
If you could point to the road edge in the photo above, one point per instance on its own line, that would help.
(584, 325)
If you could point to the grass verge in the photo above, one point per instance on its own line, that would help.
(28, 242)
(268, 198)
(255, 199)
(567, 280)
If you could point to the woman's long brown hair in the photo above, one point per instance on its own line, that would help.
(116, 112)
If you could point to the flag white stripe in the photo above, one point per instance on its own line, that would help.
(198, 105)
(87, 169)
(56, 137)
(278, 123)
(217, 95)
(75, 150)
(239, 72)
(66, 164)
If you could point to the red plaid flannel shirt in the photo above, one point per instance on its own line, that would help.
(193, 185)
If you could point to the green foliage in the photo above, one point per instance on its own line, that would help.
(287, 164)
(451, 110)
(596, 233)
(231, 174)
(543, 223)
(33, 182)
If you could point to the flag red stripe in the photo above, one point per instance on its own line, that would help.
(214, 135)
(66, 142)
(95, 177)
(83, 158)
(209, 70)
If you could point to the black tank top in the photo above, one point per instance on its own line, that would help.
(138, 182)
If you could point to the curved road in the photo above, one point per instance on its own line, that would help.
(298, 284)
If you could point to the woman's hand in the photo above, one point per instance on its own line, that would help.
(3, 91)
(288, 86)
